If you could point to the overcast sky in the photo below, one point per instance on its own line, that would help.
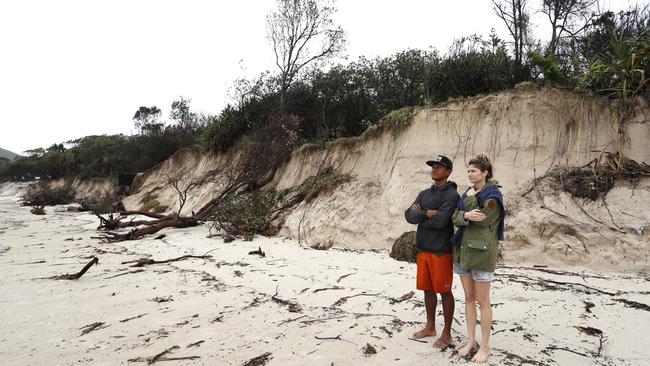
(74, 68)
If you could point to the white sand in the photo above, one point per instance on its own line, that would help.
(41, 319)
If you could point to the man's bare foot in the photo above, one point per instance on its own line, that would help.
(425, 332)
(466, 349)
(482, 355)
(443, 342)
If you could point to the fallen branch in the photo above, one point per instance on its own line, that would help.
(553, 348)
(133, 317)
(321, 319)
(161, 357)
(291, 320)
(345, 275)
(344, 299)
(328, 288)
(338, 338)
(633, 304)
(195, 343)
(417, 340)
(402, 298)
(76, 276)
(148, 261)
(150, 227)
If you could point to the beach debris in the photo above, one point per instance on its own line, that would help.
(259, 360)
(258, 252)
(344, 276)
(369, 350)
(320, 320)
(328, 288)
(162, 357)
(133, 317)
(417, 340)
(515, 329)
(344, 299)
(162, 299)
(92, 327)
(385, 330)
(292, 306)
(161, 236)
(148, 261)
(514, 359)
(402, 298)
(590, 331)
(337, 338)
(239, 273)
(218, 319)
(195, 344)
(556, 348)
(76, 276)
(143, 227)
(291, 320)
(126, 273)
(38, 210)
(633, 304)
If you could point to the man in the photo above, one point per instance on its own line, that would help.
(432, 212)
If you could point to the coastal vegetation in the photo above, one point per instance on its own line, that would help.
(316, 102)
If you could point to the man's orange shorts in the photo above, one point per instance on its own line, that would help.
(435, 272)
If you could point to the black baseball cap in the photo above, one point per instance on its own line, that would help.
(442, 160)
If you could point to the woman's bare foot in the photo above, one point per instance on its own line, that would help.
(482, 355)
(443, 342)
(466, 349)
(425, 332)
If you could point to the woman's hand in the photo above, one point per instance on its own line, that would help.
(474, 215)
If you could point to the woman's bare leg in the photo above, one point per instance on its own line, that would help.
(482, 289)
(470, 314)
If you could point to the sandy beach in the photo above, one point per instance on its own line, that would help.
(294, 306)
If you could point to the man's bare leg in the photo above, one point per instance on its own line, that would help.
(430, 304)
(483, 297)
(448, 305)
(470, 314)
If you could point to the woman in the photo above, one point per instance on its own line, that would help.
(480, 219)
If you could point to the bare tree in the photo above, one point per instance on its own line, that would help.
(302, 32)
(568, 18)
(513, 13)
(184, 184)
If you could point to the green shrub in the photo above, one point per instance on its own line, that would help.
(246, 214)
(41, 195)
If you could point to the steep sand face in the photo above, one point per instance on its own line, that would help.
(87, 187)
(526, 132)
(184, 167)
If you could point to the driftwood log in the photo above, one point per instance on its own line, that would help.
(75, 276)
(141, 228)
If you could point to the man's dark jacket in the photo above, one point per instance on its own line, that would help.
(434, 233)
